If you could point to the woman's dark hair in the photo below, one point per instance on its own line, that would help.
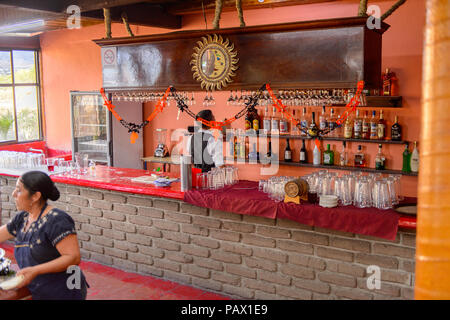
(35, 181)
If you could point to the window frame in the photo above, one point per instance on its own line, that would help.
(13, 85)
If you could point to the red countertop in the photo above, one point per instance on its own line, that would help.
(119, 179)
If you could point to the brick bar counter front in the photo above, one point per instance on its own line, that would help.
(242, 256)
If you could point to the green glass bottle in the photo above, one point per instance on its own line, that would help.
(406, 159)
(328, 156)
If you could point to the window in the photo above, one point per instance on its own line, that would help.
(19, 96)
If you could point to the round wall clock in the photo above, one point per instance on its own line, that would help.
(214, 62)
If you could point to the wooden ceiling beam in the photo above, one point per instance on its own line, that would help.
(194, 7)
(144, 14)
(91, 5)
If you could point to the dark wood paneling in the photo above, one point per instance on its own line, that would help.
(333, 53)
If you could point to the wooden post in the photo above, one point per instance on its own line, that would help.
(362, 10)
(107, 15)
(392, 9)
(127, 25)
(240, 14)
(219, 4)
(433, 219)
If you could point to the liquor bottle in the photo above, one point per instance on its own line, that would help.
(415, 159)
(287, 152)
(381, 127)
(332, 124)
(348, 128)
(343, 157)
(294, 129)
(337, 132)
(256, 120)
(373, 126)
(328, 156)
(275, 122)
(357, 126)
(236, 147)
(396, 131)
(253, 155)
(248, 120)
(365, 127)
(242, 147)
(232, 147)
(283, 125)
(269, 151)
(380, 159)
(406, 159)
(266, 121)
(323, 120)
(304, 123)
(316, 156)
(360, 159)
(389, 83)
(313, 130)
(303, 154)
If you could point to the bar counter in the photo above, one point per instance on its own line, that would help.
(142, 228)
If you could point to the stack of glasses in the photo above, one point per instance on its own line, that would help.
(355, 188)
(217, 178)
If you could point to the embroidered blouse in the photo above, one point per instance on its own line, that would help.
(44, 234)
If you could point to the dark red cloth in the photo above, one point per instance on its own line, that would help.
(367, 221)
(244, 198)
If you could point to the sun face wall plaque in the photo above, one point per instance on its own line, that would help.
(214, 62)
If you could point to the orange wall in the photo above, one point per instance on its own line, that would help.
(71, 61)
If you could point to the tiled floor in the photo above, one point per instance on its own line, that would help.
(108, 283)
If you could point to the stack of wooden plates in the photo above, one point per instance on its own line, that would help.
(328, 201)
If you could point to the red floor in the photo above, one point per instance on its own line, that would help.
(107, 283)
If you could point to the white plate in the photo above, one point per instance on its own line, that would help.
(2, 253)
(327, 206)
(11, 283)
(329, 198)
(328, 202)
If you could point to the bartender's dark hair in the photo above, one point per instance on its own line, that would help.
(205, 114)
(35, 181)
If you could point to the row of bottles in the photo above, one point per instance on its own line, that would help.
(240, 149)
(410, 160)
(357, 128)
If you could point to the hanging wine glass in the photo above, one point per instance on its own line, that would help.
(230, 100)
(212, 102)
(206, 100)
(192, 98)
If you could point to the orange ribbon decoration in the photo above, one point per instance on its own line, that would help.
(350, 107)
(158, 108)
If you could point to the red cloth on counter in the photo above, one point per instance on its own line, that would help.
(368, 221)
(244, 198)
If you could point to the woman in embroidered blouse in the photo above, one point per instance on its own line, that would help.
(46, 241)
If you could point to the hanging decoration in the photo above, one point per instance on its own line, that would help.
(252, 102)
(134, 128)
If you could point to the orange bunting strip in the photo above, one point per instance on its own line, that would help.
(162, 103)
(109, 105)
(351, 106)
(316, 141)
(133, 137)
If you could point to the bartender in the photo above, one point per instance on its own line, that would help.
(206, 151)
